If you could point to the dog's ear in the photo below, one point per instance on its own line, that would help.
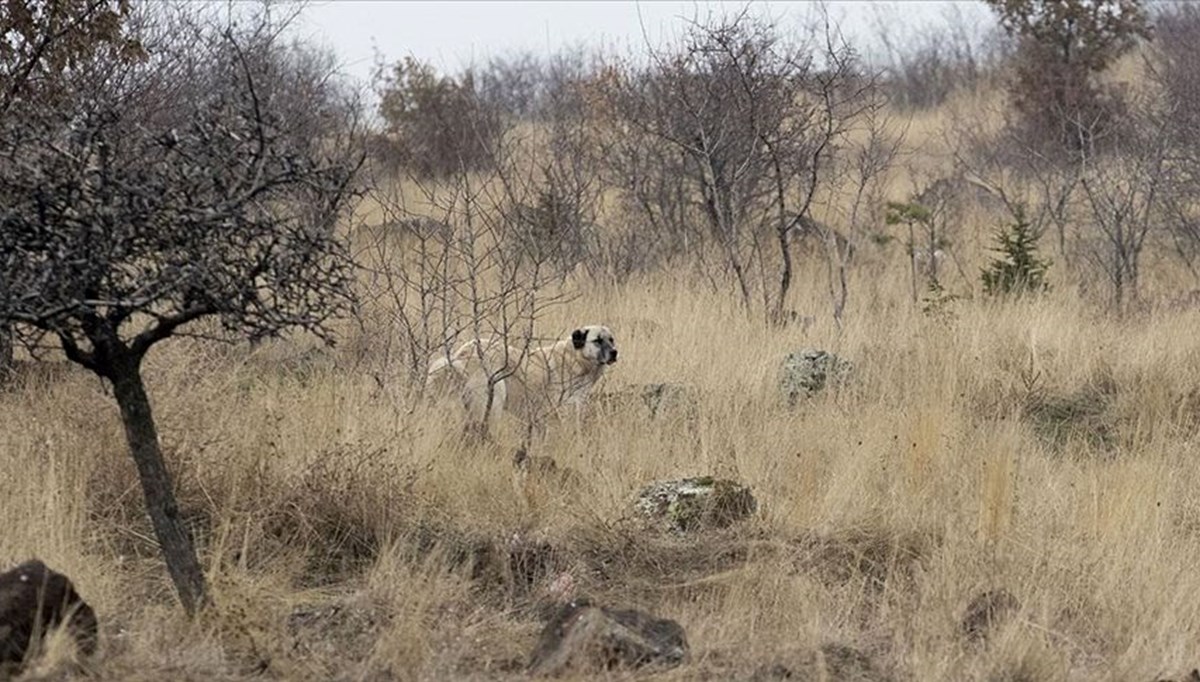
(578, 338)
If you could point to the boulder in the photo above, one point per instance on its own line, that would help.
(986, 612)
(34, 600)
(696, 503)
(805, 372)
(581, 636)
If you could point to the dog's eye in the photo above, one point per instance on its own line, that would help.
(598, 342)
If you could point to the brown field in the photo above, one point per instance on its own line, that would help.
(1045, 447)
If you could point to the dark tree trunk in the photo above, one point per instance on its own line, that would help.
(785, 272)
(173, 537)
(6, 352)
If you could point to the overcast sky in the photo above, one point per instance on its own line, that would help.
(453, 34)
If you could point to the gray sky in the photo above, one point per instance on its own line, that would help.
(453, 34)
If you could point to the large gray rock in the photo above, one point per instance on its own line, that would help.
(807, 371)
(583, 637)
(695, 503)
(35, 599)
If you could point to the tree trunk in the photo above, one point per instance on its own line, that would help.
(6, 352)
(173, 537)
(785, 272)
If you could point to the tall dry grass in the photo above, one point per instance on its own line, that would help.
(1037, 446)
(351, 532)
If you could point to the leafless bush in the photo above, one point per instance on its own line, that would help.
(471, 263)
(936, 60)
(1175, 68)
(528, 86)
(1125, 194)
(722, 145)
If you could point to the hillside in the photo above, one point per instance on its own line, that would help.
(1043, 446)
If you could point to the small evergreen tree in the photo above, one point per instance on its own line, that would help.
(1019, 270)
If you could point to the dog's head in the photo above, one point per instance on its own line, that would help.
(595, 343)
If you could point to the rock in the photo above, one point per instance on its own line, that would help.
(35, 599)
(808, 371)
(986, 611)
(695, 503)
(581, 636)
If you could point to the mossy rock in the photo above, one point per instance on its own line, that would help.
(696, 503)
(806, 372)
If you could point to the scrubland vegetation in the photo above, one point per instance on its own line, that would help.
(748, 192)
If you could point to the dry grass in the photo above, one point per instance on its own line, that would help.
(350, 533)
(964, 457)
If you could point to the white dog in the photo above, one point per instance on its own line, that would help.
(528, 383)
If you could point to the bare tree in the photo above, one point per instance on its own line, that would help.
(737, 131)
(929, 63)
(161, 193)
(1022, 174)
(1174, 68)
(40, 41)
(481, 255)
(1125, 196)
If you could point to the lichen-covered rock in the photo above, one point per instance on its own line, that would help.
(583, 637)
(805, 372)
(696, 503)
